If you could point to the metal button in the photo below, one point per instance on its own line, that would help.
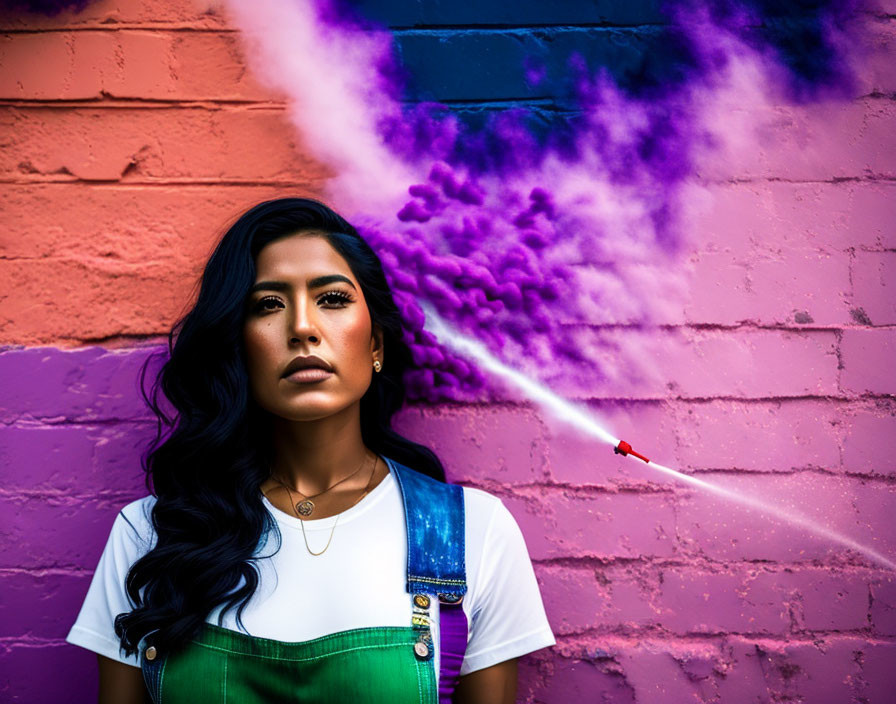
(150, 653)
(421, 649)
(421, 600)
(451, 598)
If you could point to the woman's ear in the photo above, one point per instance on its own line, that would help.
(376, 343)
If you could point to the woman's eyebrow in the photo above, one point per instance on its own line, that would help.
(316, 282)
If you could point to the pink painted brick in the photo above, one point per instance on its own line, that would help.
(870, 217)
(40, 605)
(705, 363)
(608, 599)
(47, 673)
(79, 385)
(818, 141)
(605, 526)
(140, 144)
(720, 529)
(52, 533)
(780, 287)
(876, 74)
(827, 601)
(734, 217)
(575, 458)
(758, 436)
(883, 605)
(869, 441)
(481, 444)
(757, 363)
(72, 459)
(868, 361)
(825, 217)
(696, 602)
(874, 285)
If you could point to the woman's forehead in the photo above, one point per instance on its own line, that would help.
(300, 256)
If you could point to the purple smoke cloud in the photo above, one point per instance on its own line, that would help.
(524, 249)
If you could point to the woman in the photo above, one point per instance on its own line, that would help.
(296, 548)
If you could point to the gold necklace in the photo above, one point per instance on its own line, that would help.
(335, 523)
(306, 506)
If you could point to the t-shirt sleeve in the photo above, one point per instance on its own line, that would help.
(94, 628)
(508, 618)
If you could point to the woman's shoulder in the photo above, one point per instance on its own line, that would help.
(487, 517)
(135, 520)
(480, 501)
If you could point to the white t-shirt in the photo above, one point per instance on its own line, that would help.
(358, 582)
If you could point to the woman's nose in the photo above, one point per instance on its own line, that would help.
(303, 323)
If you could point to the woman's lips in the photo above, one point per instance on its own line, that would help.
(309, 375)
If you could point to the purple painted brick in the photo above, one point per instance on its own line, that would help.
(878, 682)
(876, 506)
(723, 530)
(868, 357)
(481, 445)
(824, 671)
(883, 605)
(40, 605)
(655, 672)
(828, 601)
(617, 525)
(577, 599)
(576, 680)
(765, 437)
(48, 673)
(874, 285)
(869, 442)
(87, 384)
(48, 533)
(695, 602)
(72, 458)
(741, 679)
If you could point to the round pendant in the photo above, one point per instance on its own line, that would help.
(304, 508)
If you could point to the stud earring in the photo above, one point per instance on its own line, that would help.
(376, 365)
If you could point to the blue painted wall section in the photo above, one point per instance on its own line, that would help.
(492, 55)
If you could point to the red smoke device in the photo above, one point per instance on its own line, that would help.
(623, 448)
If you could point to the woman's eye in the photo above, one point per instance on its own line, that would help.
(267, 303)
(335, 299)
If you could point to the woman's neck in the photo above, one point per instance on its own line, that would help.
(311, 456)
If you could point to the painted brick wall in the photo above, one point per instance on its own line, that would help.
(133, 131)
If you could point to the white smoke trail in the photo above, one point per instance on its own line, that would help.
(583, 419)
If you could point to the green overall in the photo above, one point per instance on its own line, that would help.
(382, 665)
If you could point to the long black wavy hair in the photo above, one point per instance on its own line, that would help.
(207, 471)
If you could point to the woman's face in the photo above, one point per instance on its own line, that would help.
(306, 301)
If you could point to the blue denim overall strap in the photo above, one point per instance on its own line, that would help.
(434, 514)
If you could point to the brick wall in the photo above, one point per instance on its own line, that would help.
(133, 131)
